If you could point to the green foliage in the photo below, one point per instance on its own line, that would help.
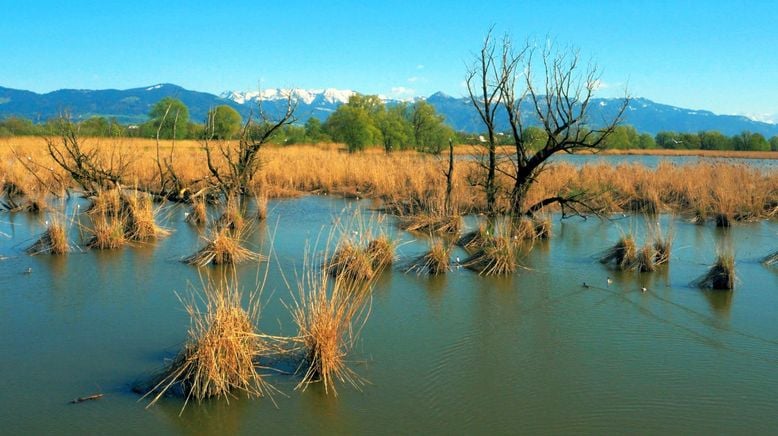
(100, 126)
(774, 143)
(713, 140)
(224, 122)
(623, 137)
(646, 141)
(396, 131)
(534, 137)
(353, 126)
(18, 126)
(750, 142)
(429, 133)
(173, 117)
(314, 132)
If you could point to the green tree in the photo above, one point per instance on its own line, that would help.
(690, 141)
(713, 140)
(353, 127)
(748, 141)
(622, 138)
(669, 140)
(396, 131)
(429, 132)
(224, 122)
(774, 143)
(17, 126)
(170, 117)
(313, 130)
(646, 141)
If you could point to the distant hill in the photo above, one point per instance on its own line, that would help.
(132, 106)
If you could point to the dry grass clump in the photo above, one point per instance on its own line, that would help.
(381, 252)
(232, 218)
(530, 229)
(663, 245)
(107, 233)
(474, 240)
(431, 223)
(218, 358)
(223, 247)
(198, 215)
(106, 202)
(261, 201)
(434, 262)
(623, 255)
(645, 260)
(53, 241)
(329, 313)
(352, 263)
(139, 218)
(721, 276)
(498, 256)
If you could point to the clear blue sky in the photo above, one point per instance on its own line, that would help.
(717, 55)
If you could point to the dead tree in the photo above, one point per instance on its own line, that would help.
(240, 162)
(559, 101)
(90, 169)
(485, 93)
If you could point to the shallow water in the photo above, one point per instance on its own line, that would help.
(534, 352)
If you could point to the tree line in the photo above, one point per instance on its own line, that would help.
(365, 121)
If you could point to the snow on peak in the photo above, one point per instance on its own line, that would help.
(307, 96)
(151, 88)
(762, 118)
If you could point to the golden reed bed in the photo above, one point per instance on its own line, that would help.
(701, 190)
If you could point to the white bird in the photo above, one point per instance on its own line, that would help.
(643, 289)
(28, 271)
(609, 281)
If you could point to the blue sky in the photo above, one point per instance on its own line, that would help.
(711, 55)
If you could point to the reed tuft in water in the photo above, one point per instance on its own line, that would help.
(329, 312)
(721, 276)
(623, 254)
(53, 241)
(218, 358)
(223, 247)
(434, 262)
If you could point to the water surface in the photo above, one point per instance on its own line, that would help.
(535, 352)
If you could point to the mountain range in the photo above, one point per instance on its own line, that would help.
(132, 106)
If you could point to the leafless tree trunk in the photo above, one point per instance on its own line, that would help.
(559, 101)
(449, 178)
(484, 91)
(88, 169)
(241, 161)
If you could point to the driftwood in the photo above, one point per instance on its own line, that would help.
(87, 398)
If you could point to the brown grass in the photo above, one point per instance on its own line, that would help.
(721, 276)
(223, 247)
(623, 255)
(107, 232)
(434, 262)
(705, 189)
(139, 218)
(329, 313)
(53, 241)
(497, 256)
(351, 263)
(261, 202)
(198, 215)
(218, 359)
(381, 252)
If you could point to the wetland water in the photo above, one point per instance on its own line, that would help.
(532, 353)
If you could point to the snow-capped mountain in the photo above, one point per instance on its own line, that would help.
(305, 96)
(133, 106)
